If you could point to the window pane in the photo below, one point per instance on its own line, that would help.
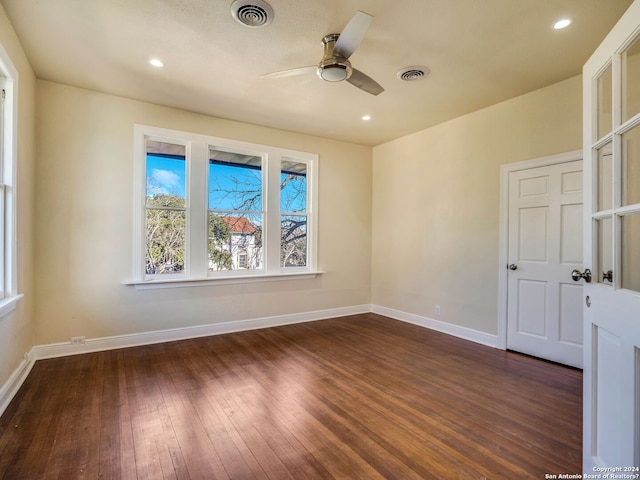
(165, 235)
(630, 259)
(293, 187)
(631, 81)
(605, 91)
(631, 167)
(235, 242)
(293, 243)
(605, 178)
(605, 249)
(235, 181)
(166, 174)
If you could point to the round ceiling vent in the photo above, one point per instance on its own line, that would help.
(252, 13)
(413, 73)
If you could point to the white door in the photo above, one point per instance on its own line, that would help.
(544, 304)
(611, 87)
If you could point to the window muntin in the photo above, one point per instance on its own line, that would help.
(233, 201)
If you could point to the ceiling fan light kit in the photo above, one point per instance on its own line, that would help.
(333, 67)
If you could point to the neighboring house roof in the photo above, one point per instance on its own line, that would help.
(240, 225)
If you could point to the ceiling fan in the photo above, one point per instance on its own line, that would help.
(335, 65)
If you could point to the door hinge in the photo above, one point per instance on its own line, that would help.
(4, 93)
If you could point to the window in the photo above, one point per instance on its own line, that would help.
(293, 214)
(210, 209)
(236, 216)
(165, 208)
(8, 136)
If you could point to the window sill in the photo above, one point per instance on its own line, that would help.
(8, 305)
(209, 281)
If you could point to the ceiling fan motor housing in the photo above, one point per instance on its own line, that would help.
(333, 67)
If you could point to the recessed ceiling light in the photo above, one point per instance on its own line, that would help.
(564, 23)
(156, 63)
(366, 118)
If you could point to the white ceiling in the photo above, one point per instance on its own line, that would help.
(480, 52)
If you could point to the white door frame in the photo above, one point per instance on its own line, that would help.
(503, 247)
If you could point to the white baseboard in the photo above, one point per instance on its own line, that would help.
(444, 327)
(17, 378)
(38, 352)
(160, 336)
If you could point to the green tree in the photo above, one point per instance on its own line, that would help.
(219, 234)
(165, 234)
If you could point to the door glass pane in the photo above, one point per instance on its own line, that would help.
(605, 178)
(631, 81)
(630, 258)
(631, 166)
(604, 103)
(604, 229)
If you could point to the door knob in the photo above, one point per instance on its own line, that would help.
(512, 266)
(577, 275)
(607, 276)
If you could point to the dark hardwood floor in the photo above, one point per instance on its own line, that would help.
(361, 397)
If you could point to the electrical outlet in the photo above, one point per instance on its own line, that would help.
(77, 340)
(437, 310)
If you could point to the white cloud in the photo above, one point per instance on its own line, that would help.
(165, 181)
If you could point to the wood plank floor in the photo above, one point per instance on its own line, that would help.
(361, 397)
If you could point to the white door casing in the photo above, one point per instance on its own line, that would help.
(544, 304)
(611, 141)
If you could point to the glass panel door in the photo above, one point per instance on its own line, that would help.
(611, 141)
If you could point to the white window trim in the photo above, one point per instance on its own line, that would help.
(196, 271)
(8, 180)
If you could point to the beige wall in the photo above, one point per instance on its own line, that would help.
(17, 328)
(84, 223)
(436, 203)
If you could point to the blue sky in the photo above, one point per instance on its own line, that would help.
(166, 175)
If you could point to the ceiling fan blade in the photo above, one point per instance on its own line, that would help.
(291, 72)
(365, 82)
(353, 34)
